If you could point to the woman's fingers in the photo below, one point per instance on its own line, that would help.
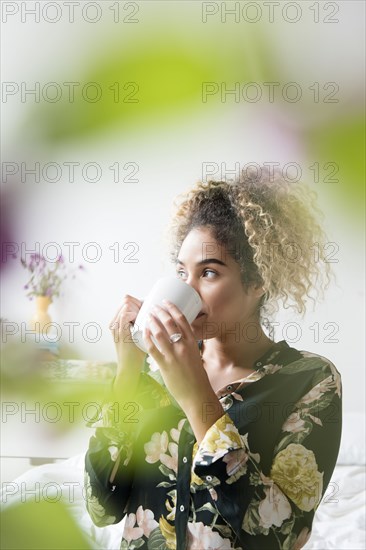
(166, 319)
(122, 320)
(154, 352)
(129, 301)
(130, 306)
(162, 325)
(178, 317)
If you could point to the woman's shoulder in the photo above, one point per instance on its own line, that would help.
(296, 361)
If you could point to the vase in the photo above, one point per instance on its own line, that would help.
(41, 318)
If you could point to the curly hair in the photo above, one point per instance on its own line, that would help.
(268, 225)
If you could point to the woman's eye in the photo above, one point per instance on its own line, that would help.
(213, 273)
(210, 271)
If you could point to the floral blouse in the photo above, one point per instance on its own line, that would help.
(254, 481)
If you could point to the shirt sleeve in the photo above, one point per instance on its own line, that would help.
(275, 509)
(109, 460)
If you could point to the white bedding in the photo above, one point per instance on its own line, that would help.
(339, 522)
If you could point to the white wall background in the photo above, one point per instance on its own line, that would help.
(170, 159)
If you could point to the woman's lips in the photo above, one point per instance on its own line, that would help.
(200, 315)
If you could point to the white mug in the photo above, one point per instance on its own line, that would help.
(176, 291)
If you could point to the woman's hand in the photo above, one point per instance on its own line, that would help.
(182, 369)
(130, 357)
(180, 363)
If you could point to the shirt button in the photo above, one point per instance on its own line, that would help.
(208, 478)
(181, 508)
(259, 364)
(184, 459)
(229, 388)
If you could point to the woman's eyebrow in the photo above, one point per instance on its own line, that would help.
(204, 262)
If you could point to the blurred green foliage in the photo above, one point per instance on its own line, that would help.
(42, 525)
(159, 76)
(342, 141)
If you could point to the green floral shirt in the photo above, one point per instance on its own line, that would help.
(254, 482)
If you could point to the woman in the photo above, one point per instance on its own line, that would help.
(223, 438)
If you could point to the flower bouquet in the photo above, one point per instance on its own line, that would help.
(45, 283)
(46, 277)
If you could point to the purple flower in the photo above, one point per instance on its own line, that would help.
(36, 257)
(46, 276)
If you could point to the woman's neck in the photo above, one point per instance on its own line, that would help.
(229, 354)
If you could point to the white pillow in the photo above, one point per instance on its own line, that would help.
(353, 450)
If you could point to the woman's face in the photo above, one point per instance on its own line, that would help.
(207, 266)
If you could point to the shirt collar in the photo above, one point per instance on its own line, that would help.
(261, 362)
